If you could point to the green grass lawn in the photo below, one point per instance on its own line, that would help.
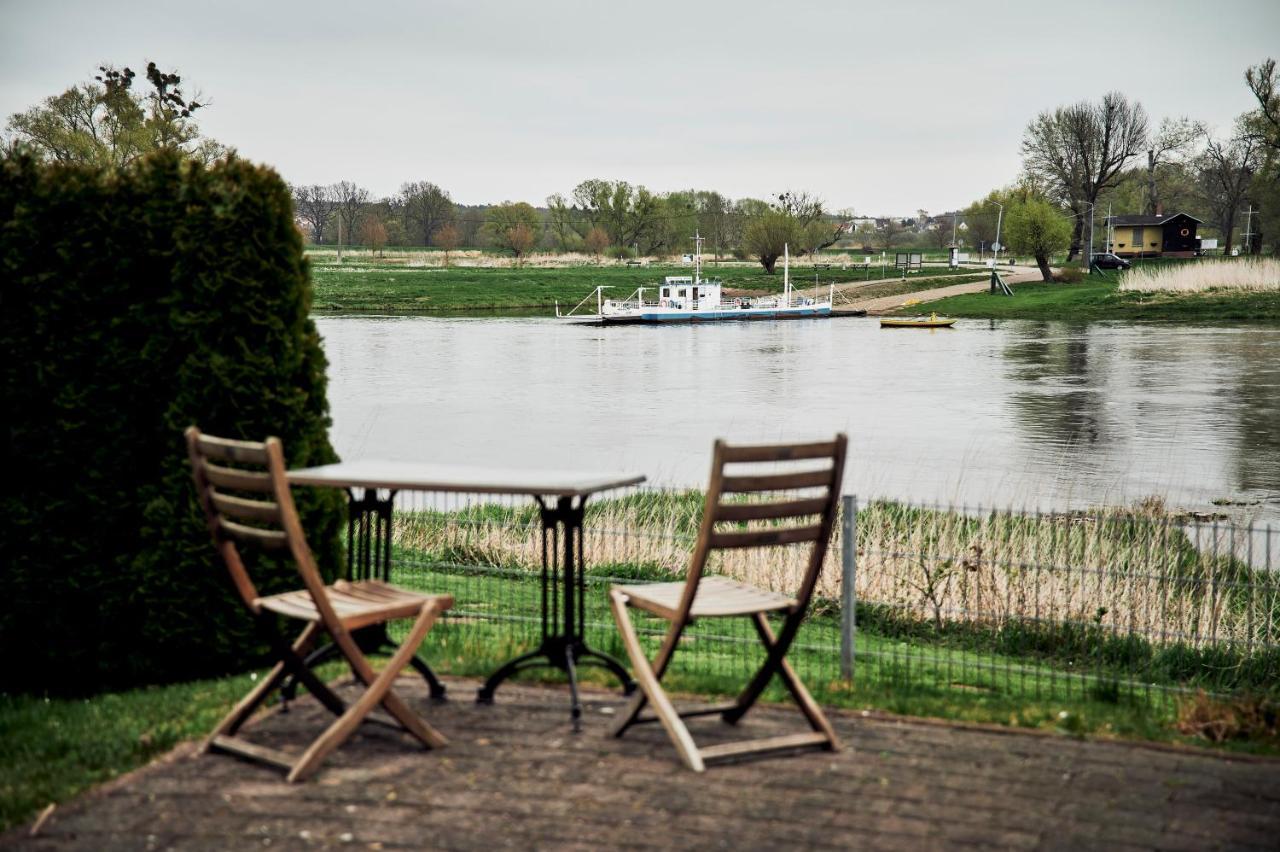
(1101, 300)
(375, 288)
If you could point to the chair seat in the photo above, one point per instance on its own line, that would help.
(356, 604)
(716, 596)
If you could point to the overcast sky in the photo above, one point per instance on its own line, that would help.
(884, 107)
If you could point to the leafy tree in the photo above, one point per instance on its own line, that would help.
(1034, 226)
(765, 236)
(630, 215)
(560, 223)
(1264, 124)
(425, 208)
(513, 226)
(596, 241)
(448, 238)
(108, 122)
(1077, 151)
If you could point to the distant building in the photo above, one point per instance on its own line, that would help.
(1161, 235)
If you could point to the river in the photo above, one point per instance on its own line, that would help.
(1022, 413)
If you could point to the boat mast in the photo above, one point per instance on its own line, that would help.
(697, 258)
(786, 276)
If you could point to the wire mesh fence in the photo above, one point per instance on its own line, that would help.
(1133, 605)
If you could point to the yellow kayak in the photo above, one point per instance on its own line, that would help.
(931, 321)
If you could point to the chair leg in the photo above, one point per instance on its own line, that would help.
(378, 691)
(817, 719)
(775, 657)
(651, 689)
(250, 703)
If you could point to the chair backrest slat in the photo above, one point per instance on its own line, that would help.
(776, 481)
(264, 538)
(765, 537)
(252, 510)
(236, 479)
(226, 449)
(770, 511)
(779, 452)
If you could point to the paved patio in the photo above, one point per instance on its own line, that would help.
(515, 776)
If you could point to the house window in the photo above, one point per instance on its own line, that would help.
(1137, 237)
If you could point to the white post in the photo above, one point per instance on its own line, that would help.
(786, 275)
(999, 217)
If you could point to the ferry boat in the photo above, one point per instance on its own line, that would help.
(692, 298)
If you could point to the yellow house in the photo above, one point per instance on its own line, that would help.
(1154, 236)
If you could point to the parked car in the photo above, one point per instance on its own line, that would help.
(1106, 260)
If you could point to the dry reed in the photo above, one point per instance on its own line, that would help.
(1205, 275)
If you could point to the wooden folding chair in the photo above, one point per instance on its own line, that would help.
(246, 501)
(804, 516)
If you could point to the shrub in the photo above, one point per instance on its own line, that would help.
(136, 303)
(1068, 275)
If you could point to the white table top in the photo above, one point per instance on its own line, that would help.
(417, 476)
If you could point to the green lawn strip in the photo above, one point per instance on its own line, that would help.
(374, 288)
(1101, 300)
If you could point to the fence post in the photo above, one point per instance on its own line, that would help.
(848, 580)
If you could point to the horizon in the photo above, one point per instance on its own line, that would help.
(547, 96)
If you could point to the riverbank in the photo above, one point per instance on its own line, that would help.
(1103, 300)
(367, 287)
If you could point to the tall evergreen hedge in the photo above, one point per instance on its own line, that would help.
(135, 303)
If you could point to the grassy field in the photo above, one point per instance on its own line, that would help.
(365, 287)
(1103, 300)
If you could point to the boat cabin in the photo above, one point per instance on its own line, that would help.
(681, 291)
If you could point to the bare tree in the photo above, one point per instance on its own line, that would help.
(426, 208)
(1169, 145)
(448, 237)
(348, 203)
(596, 241)
(1078, 151)
(1264, 82)
(1226, 173)
(314, 206)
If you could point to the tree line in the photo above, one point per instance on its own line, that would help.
(597, 217)
(1081, 159)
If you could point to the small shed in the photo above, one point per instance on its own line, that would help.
(1161, 235)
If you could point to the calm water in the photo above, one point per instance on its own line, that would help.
(1033, 414)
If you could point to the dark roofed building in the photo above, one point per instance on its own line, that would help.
(1155, 236)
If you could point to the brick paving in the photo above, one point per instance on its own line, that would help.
(514, 776)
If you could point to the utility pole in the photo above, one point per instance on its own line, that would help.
(1248, 232)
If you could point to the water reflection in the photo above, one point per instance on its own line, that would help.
(1021, 413)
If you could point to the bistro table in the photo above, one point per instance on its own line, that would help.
(561, 497)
